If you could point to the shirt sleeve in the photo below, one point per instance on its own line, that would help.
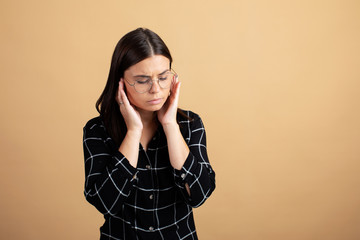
(109, 177)
(196, 171)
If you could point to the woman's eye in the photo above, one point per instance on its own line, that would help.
(164, 77)
(142, 81)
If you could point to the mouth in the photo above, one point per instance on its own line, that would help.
(155, 101)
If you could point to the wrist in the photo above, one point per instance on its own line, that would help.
(170, 126)
(134, 133)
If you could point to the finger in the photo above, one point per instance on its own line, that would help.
(173, 85)
(178, 86)
(175, 89)
(175, 81)
(174, 97)
(118, 95)
(123, 96)
(177, 92)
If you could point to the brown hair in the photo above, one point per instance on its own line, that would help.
(132, 48)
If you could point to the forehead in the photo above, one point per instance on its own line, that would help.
(150, 66)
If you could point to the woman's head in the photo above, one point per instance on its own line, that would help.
(132, 48)
(148, 83)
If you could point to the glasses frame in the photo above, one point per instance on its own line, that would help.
(152, 82)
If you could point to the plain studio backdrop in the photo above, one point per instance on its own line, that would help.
(277, 84)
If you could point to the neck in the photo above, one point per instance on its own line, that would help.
(147, 117)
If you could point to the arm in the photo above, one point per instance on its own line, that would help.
(192, 171)
(196, 171)
(109, 175)
(178, 150)
(111, 172)
(130, 145)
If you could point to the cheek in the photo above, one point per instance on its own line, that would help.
(133, 99)
(130, 95)
(166, 96)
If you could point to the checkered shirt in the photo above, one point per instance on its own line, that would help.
(149, 201)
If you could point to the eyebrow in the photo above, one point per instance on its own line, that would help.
(147, 76)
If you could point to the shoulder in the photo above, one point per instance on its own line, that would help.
(94, 122)
(187, 116)
(95, 126)
(189, 119)
(191, 125)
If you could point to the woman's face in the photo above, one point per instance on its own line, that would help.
(153, 67)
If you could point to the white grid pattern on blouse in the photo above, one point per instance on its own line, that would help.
(150, 200)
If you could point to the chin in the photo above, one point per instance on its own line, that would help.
(155, 107)
(151, 108)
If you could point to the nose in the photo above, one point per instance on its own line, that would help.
(155, 87)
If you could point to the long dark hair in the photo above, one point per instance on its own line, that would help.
(132, 48)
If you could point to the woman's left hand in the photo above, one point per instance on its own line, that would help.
(167, 114)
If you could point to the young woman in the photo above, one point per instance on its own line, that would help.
(146, 161)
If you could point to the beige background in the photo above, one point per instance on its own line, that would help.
(277, 84)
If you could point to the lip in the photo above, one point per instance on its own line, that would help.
(155, 101)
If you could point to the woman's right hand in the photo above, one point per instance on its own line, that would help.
(130, 114)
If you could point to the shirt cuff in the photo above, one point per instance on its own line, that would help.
(121, 163)
(187, 169)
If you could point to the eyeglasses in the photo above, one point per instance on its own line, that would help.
(143, 84)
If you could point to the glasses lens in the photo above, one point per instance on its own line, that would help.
(143, 85)
(166, 79)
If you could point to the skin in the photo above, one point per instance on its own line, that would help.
(141, 112)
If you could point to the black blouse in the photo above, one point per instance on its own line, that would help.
(149, 201)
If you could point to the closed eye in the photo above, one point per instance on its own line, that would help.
(142, 80)
(165, 76)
